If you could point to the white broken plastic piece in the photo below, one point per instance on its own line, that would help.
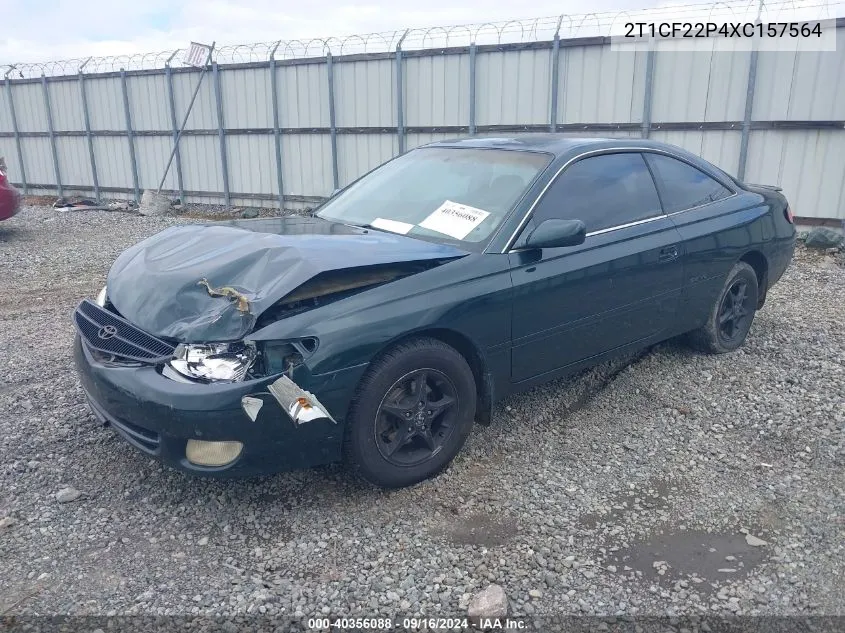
(302, 406)
(252, 406)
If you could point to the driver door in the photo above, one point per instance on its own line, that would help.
(620, 286)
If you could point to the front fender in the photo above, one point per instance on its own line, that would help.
(470, 296)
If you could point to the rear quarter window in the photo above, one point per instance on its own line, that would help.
(683, 186)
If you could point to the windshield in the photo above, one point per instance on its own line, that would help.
(445, 194)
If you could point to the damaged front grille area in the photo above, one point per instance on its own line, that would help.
(108, 333)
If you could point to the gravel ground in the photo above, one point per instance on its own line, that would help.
(676, 484)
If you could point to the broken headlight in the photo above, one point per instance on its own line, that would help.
(212, 362)
(276, 357)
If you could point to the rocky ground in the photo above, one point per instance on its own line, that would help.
(678, 484)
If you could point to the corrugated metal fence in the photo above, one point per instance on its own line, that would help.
(298, 128)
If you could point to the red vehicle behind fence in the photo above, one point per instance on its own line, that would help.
(10, 199)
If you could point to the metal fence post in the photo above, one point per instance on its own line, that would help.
(15, 129)
(332, 125)
(749, 106)
(400, 101)
(277, 135)
(472, 127)
(52, 135)
(176, 140)
(649, 86)
(87, 120)
(555, 78)
(224, 164)
(130, 135)
(749, 102)
(169, 74)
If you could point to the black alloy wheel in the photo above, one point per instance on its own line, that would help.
(731, 314)
(416, 417)
(412, 412)
(735, 311)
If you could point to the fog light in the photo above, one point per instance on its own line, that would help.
(204, 453)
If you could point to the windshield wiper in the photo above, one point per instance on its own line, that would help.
(368, 227)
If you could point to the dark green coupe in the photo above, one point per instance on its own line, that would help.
(380, 329)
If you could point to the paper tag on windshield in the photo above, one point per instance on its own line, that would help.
(391, 225)
(454, 219)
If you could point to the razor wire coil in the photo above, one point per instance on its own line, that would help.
(497, 33)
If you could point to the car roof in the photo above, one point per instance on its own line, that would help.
(566, 147)
(557, 144)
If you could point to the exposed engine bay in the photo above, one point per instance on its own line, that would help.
(242, 360)
(334, 285)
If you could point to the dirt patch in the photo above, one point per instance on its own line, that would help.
(485, 530)
(709, 559)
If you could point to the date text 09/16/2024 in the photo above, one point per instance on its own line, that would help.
(413, 624)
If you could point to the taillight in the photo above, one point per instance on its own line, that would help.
(788, 213)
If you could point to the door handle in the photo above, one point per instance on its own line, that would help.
(668, 253)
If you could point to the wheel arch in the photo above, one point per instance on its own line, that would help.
(474, 357)
(760, 264)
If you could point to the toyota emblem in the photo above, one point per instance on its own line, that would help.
(107, 331)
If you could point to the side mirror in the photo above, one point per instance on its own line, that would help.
(557, 233)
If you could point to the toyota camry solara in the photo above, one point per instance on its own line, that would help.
(380, 329)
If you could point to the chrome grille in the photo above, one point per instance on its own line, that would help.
(111, 334)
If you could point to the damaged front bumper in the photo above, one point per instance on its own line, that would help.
(280, 425)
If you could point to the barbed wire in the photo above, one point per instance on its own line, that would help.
(504, 32)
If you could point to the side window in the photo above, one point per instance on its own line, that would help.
(602, 191)
(683, 186)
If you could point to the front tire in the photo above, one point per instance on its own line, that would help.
(411, 414)
(732, 314)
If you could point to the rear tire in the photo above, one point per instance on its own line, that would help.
(411, 414)
(732, 314)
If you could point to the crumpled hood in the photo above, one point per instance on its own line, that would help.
(155, 283)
